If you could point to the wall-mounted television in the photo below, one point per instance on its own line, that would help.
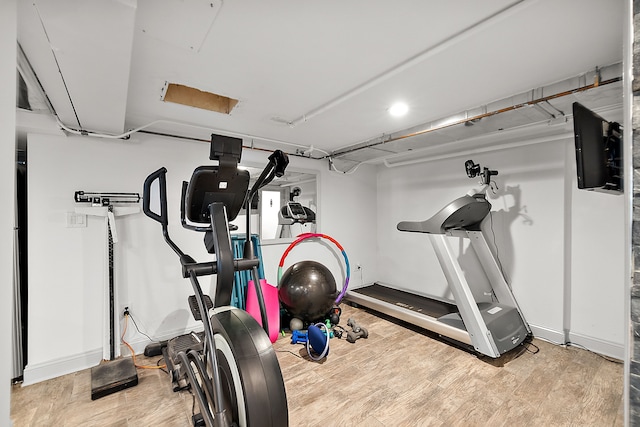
(598, 145)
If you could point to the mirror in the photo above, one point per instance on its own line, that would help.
(284, 209)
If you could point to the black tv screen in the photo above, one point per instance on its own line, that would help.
(598, 145)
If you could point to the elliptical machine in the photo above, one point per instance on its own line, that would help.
(230, 367)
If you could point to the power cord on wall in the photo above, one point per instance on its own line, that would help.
(127, 314)
(495, 243)
(607, 358)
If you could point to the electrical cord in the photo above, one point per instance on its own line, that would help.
(133, 353)
(138, 329)
(193, 402)
(495, 243)
(161, 367)
(530, 344)
(348, 172)
(571, 344)
(289, 351)
(607, 358)
(338, 331)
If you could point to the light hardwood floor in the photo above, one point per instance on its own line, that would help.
(396, 377)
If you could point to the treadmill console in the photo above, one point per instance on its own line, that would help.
(296, 211)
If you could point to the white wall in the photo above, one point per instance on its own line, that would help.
(7, 194)
(597, 273)
(535, 213)
(542, 260)
(66, 264)
(347, 213)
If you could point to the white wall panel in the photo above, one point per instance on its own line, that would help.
(67, 264)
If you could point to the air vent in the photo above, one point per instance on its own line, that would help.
(185, 95)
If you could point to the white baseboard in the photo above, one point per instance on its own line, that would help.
(37, 372)
(597, 345)
(547, 334)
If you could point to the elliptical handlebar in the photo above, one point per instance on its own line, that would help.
(163, 216)
(161, 175)
(278, 162)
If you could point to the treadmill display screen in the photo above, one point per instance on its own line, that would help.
(296, 210)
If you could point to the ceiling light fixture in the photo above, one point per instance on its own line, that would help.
(398, 109)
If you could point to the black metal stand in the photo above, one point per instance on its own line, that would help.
(113, 375)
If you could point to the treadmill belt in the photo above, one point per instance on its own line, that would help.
(417, 303)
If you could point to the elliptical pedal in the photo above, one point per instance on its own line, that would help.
(198, 420)
(181, 343)
(195, 310)
(186, 342)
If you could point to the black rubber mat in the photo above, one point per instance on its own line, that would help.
(407, 300)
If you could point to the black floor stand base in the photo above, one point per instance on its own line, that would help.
(112, 376)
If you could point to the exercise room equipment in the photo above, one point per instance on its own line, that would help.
(293, 213)
(113, 374)
(230, 367)
(491, 328)
(510, 304)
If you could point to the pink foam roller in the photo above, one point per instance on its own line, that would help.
(272, 305)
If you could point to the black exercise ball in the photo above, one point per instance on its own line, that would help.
(307, 290)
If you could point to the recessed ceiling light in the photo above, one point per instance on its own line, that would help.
(398, 109)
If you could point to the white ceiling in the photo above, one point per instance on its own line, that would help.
(329, 68)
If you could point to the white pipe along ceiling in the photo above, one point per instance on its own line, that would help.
(463, 69)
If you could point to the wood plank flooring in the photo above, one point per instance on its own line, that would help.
(396, 377)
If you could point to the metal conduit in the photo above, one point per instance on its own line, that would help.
(477, 117)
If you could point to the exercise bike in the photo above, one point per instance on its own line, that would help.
(230, 367)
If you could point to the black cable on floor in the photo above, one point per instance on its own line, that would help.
(289, 351)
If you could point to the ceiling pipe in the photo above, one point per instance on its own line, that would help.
(466, 119)
(33, 82)
(190, 138)
(439, 47)
(479, 150)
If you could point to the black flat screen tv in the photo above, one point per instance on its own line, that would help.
(598, 146)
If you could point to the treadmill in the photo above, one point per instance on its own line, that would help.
(491, 328)
(295, 213)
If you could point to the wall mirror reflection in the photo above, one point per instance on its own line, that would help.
(283, 209)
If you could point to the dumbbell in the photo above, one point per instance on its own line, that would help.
(299, 337)
(356, 331)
